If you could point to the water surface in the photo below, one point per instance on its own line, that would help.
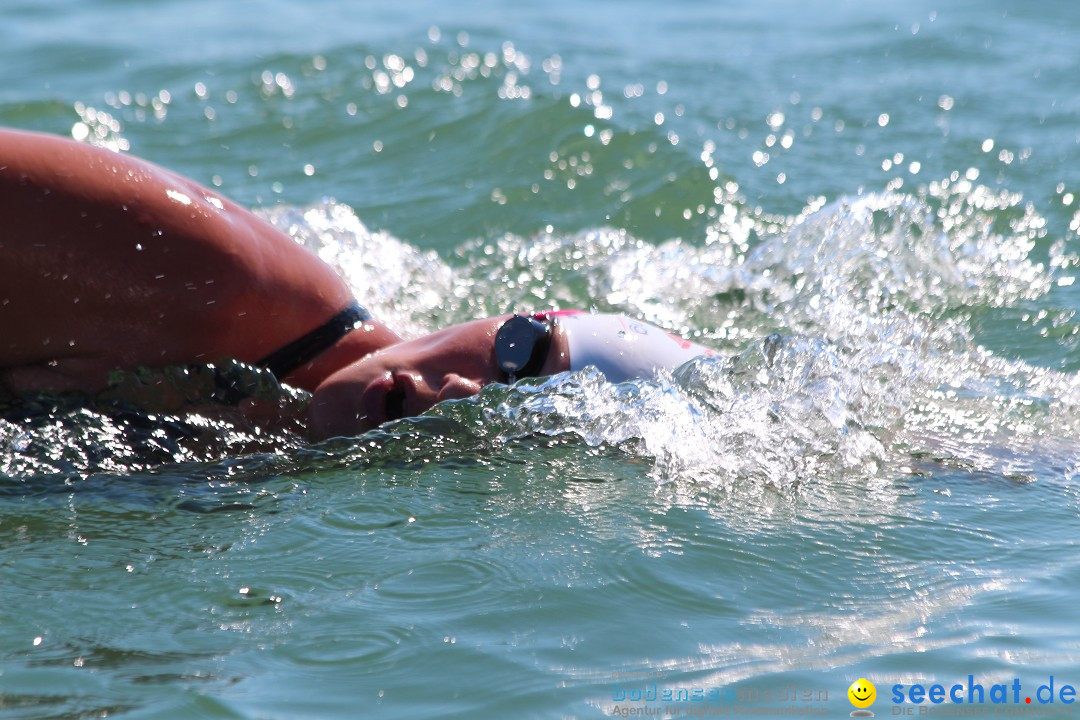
(871, 211)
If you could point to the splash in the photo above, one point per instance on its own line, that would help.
(850, 346)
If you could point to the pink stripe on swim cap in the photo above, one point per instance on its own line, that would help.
(549, 314)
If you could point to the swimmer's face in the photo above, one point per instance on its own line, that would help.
(408, 378)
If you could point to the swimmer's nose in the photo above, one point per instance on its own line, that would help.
(455, 387)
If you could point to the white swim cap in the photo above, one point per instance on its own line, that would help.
(623, 348)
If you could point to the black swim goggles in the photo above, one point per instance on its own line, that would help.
(521, 347)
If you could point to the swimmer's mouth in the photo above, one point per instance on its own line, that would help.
(395, 401)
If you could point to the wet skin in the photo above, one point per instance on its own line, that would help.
(406, 379)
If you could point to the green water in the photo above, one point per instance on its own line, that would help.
(871, 210)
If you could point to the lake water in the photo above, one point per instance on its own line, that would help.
(871, 210)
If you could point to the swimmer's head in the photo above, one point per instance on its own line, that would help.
(408, 378)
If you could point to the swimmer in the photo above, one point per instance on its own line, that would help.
(111, 262)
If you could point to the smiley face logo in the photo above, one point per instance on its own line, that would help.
(862, 693)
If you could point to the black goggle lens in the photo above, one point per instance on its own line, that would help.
(521, 346)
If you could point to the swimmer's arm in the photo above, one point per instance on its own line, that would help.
(117, 262)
